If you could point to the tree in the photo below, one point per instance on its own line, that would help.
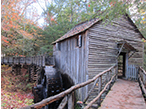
(18, 33)
(75, 11)
(61, 15)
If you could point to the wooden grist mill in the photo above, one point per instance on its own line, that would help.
(92, 60)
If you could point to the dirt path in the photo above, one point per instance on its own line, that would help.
(124, 95)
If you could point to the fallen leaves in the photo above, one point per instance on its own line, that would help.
(11, 100)
(15, 90)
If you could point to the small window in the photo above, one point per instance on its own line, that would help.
(57, 46)
(79, 41)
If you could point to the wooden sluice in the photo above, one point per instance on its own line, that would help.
(37, 60)
(32, 62)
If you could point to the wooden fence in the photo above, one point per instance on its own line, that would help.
(132, 72)
(142, 80)
(67, 93)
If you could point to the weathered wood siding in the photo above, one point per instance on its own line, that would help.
(72, 60)
(98, 51)
(103, 45)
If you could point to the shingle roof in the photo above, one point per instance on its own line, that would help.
(77, 29)
(84, 26)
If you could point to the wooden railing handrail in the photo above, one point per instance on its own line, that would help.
(143, 70)
(95, 99)
(142, 80)
(51, 99)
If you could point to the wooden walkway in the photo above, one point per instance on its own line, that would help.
(124, 94)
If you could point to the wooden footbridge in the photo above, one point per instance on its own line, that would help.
(124, 95)
(120, 94)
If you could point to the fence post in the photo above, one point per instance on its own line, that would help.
(29, 71)
(114, 74)
(106, 76)
(71, 100)
(99, 89)
(43, 60)
(116, 71)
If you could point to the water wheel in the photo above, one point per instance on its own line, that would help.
(51, 84)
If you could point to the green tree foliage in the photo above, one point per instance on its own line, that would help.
(18, 32)
(59, 17)
(69, 12)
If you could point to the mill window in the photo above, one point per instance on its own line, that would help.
(79, 41)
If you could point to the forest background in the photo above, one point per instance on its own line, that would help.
(28, 27)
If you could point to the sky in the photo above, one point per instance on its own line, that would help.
(39, 11)
(37, 8)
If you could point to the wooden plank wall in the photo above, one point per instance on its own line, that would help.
(72, 60)
(129, 33)
(98, 51)
(103, 45)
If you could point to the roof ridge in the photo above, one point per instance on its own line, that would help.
(78, 28)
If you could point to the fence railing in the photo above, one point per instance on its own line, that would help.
(142, 79)
(108, 76)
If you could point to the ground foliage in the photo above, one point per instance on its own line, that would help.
(16, 91)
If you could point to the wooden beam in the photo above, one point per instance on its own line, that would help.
(63, 103)
(143, 70)
(71, 100)
(131, 54)
(99, 89)
(120, 50)
(142, 85)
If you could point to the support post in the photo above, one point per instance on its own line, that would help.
(43, 60)
(126, 72)
(120, 50)
(99, 89)
(29, 71)
(71, 100)
(63, 103)
(107, 76)
(18, 69)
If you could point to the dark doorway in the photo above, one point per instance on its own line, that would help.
(121, 65)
